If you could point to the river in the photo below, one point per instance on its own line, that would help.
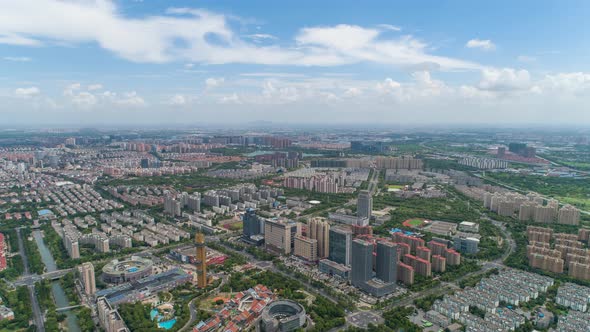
(61, 299)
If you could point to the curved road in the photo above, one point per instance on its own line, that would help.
(193, 310)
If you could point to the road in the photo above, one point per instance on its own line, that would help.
(37, 315)
(374, 181)
(193, 309)
(445, 288)
(31, 279)
(264, 265)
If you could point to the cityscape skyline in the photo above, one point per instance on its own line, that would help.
(179, 62)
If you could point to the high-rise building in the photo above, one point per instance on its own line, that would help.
(362, 263)
(361, 273)
(437, 248)
(568, 215)
(340, 244)
(171, 206)
(194, 202)
(452, 257)
(439, 263)
(319, 229)
(251, 225)
(423, 253)
(468, 245)
(421, 266)
(279, 235)
(72, 246)
(364, 207)
(584, 234)
(405, 273)
(386, 266)
(109, 317)
(201, 260)
(86, 271)
(306, 248)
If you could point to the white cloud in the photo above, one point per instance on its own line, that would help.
(26, 93)
(389, 27)
(279, 94)
(17, 58)
(90, 96)
(272, 74)
(260, 37)
(131, 99)
(84, 99)
(505, 79)
(485, 44)
(70, 89)
(576, 83)
(230, 99)
(424, 97)
(353, 92)
(18, 40)
(213, 82)
(388, 86)
(201, 36)
(332, 37)
(178, 100)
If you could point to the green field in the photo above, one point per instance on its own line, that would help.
(416, 222)
(395, 186)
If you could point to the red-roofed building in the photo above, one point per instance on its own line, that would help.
(452, 257)
(405, 273)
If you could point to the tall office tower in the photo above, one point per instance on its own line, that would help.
(201, 259)
(279, 235)
(319, 229)
(340, 245)
(251, 223)
(86, 271)
(364, 207)
(386, 261)
(362, 263)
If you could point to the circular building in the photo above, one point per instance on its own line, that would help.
(132, 269)
(283, 316)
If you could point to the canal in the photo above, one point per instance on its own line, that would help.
(61, 299)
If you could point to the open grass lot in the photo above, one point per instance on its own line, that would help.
(567, 190)
(447, 208)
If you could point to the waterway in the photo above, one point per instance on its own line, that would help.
(61, 299)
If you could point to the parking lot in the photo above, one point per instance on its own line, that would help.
(364, 318)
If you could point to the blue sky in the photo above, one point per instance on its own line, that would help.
(157, 61)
